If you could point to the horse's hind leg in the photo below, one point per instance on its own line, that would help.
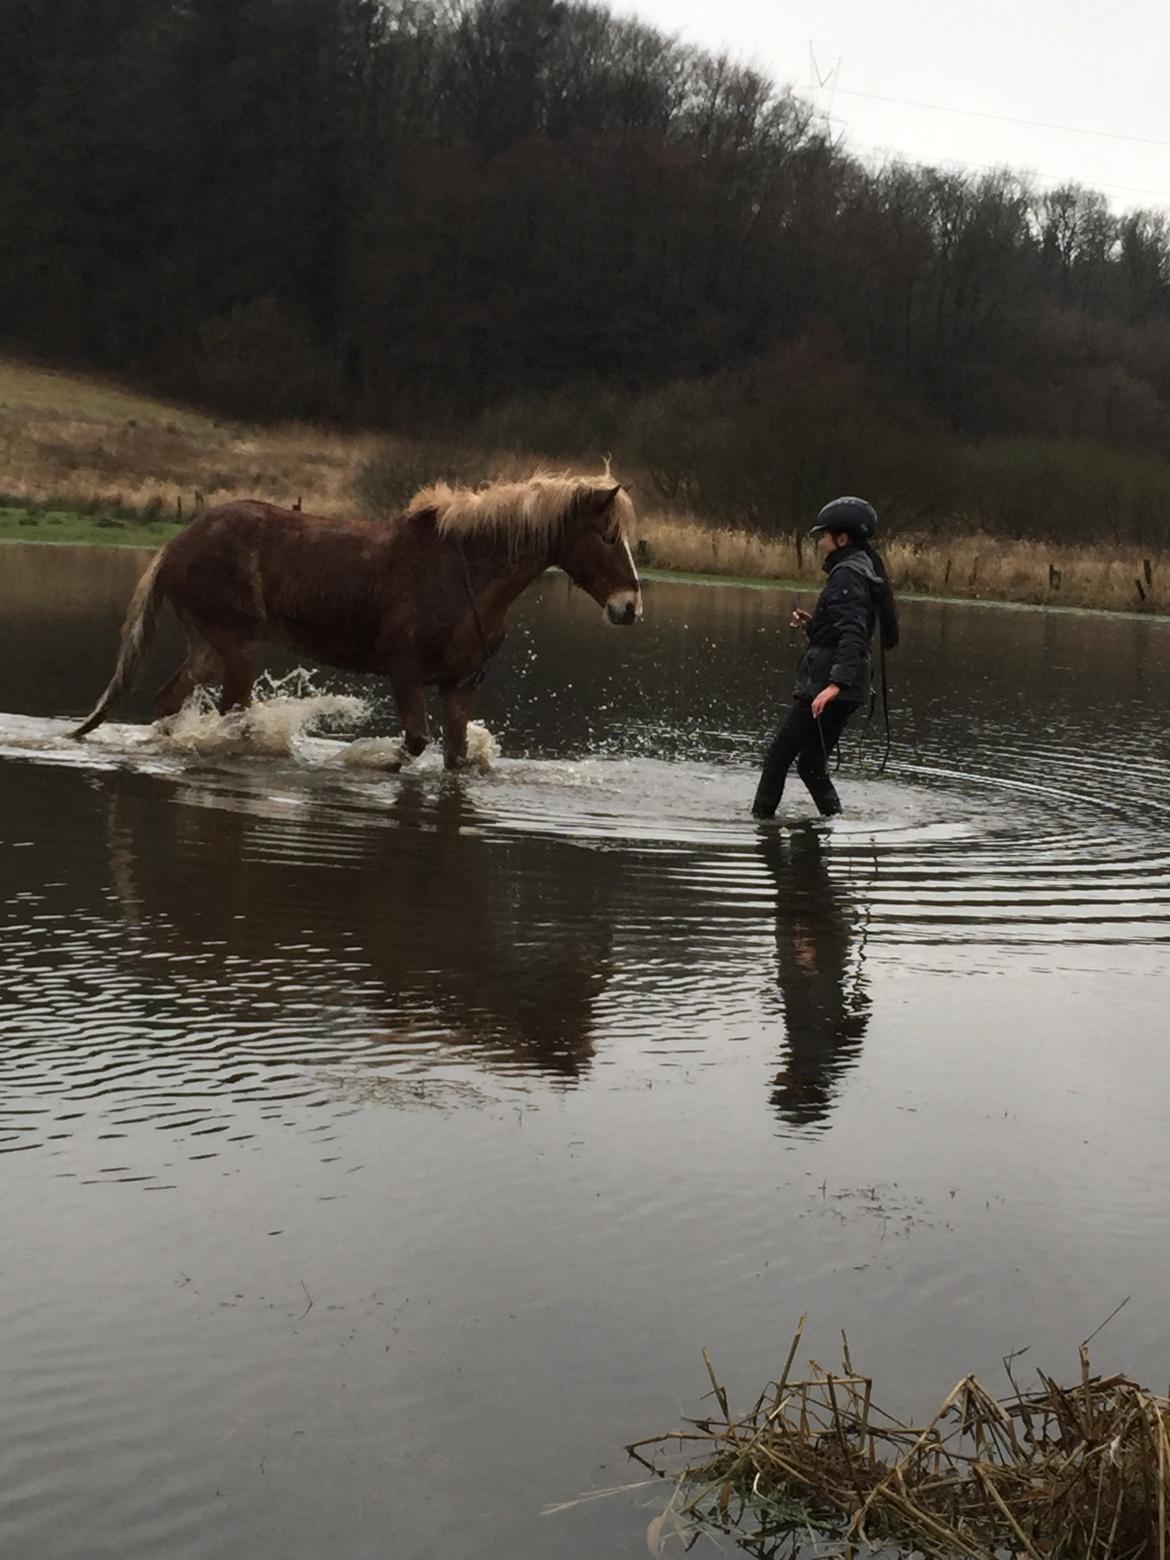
(201, 668)
(174, 693)
(239, 673)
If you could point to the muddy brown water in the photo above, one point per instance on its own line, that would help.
(380, 1152)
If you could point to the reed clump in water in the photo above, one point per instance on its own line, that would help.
(1077, 1472)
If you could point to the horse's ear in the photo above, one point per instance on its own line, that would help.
(598, 499)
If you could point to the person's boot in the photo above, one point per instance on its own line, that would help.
(763, 805)
(828, 803)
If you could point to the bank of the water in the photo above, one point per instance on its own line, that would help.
(740, 581)
(975, 569)
(958, 564)
(57, 526)
(83, 462)
(812, 587)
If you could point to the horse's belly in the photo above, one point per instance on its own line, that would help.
(353, 647)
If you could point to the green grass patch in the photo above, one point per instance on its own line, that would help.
(685, 577)
(25, 524)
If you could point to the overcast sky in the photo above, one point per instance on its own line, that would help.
(1082, 65)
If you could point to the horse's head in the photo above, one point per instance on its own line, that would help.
(594, 551)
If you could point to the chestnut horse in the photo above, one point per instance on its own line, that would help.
(420, 598)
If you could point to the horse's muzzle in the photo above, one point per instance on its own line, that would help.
(623, 609)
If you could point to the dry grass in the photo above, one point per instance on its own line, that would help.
(1079, 1472)
(29, 388)
(74, 441)
(689, 546)
(968, 564)
(990, 568)
(83, 444)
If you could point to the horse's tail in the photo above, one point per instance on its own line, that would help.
(136, 633)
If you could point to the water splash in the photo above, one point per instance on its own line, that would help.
(287, 709)
(276, 726)
(284, 710)
(389, 753)
(482, 748)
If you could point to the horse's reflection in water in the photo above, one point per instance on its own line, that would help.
(820, 959)
(441, 943)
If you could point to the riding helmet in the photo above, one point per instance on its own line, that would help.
(857, 519)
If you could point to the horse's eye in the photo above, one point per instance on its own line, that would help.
(610, 538)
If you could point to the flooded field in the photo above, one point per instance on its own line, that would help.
(380, 1151)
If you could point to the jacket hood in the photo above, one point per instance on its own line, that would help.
(857, 560)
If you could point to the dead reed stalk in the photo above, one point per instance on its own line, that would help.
(1052, 1473)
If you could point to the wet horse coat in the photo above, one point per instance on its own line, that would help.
(421, 599)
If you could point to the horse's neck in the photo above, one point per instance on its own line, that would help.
(496, 582)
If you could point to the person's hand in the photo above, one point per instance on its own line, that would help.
(826, 696)
(799, 618)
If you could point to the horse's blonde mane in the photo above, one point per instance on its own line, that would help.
(530, 513)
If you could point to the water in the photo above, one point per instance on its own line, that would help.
(380, 1151)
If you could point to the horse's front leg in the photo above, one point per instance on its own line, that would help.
(456, 713)
(412, 707)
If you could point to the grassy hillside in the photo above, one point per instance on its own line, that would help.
(88, 447)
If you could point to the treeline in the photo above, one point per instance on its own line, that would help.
(572, 233)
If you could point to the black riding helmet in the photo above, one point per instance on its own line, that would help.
(853, 516)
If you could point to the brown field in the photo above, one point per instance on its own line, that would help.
(82, 444)
(75, 441)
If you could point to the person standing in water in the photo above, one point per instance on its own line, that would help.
(833, 678)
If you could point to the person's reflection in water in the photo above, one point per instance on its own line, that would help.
(820, 969)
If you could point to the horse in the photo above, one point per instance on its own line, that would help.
(420, 599)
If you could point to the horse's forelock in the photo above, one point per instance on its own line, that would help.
(623, 512)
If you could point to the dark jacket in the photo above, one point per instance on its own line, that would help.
(841, 628)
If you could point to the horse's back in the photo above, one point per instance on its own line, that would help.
(257, 571)
(243, 521)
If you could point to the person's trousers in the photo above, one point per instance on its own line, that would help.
(808, 743)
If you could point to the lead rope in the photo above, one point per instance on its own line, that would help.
(865, 729)
(485, 652)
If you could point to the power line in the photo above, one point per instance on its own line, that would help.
(1007, 119)
(884, 153)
